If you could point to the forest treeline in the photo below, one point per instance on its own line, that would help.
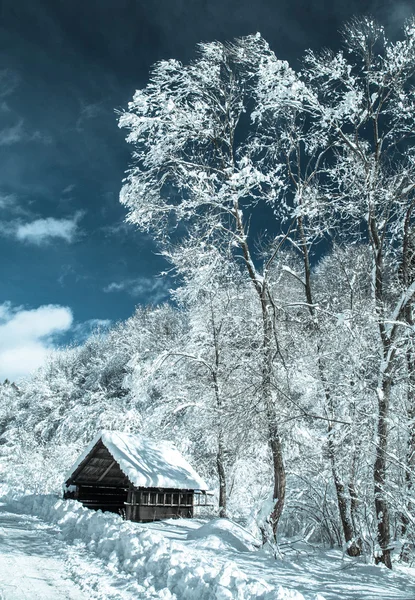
(285, 365)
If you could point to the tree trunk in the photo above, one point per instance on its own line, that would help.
(353, 546)
(279, 481)
(353, 510)
(220, 456)
(408, 276)
(379, 474)
(410, 450)
(274, 439)
(222, 478)
(354, 500)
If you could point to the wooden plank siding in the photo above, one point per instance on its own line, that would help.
(107, 499)
(98, 483)
(153, 504)
(100, 467)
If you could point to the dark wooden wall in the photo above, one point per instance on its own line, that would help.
(153, 504)
(107, 499)
(100, 484)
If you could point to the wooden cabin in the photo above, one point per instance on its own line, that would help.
(139, 478)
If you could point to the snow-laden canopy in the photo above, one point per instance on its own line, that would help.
(146, 463)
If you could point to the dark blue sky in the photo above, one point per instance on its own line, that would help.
(64, 68)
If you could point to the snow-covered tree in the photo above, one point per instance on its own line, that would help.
(193, 170)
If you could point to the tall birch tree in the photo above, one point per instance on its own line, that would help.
(193, 174)
(364, 111)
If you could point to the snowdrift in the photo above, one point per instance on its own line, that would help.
(221, 533)
(168, 567)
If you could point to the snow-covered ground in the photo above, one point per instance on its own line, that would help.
(48, 545)
(28, 562)
(37, 564)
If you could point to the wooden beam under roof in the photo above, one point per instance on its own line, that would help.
(106, 470)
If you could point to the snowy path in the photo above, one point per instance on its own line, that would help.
(30, 566)
(78, 554)
(36, 564)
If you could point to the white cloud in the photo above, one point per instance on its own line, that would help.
(9, 80)
(90, 111)
(40, 136)
(27, 336)
(7, 228)
(7, 201)
(11, 205)
(69, 188)
(42, 231)
(115, 287)
(121, 228)
(13, 134)
(150, 289)
(83, 330)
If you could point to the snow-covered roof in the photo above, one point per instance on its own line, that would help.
(146, 463)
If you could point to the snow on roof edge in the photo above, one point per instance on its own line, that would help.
(137, 470)
(83, 455)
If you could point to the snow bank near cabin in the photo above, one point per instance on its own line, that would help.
(166, 566)
(224, 534)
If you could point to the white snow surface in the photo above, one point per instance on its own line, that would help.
(187, 559)
(29, 567)
(37, 563)
(146, 463)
